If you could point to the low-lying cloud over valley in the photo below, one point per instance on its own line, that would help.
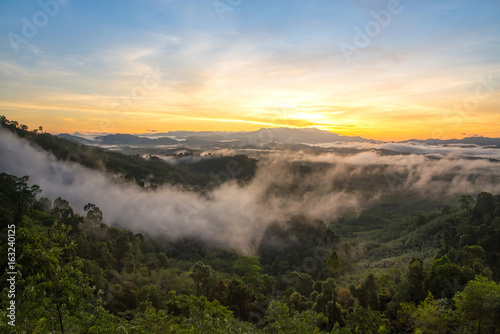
(324, 186)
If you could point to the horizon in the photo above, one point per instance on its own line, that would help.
(384, 70)
(153, 133)
(247, 131)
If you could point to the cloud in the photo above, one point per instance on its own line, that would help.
(232, 216)
(325, 186)
(468, 150)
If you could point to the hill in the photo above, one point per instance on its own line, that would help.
(145, 172)
(479, 141)
(259, 137)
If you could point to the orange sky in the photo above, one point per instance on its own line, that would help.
(432, 71)
(227, 108)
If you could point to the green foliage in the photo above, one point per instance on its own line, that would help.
(239, 298)
(326, 303)
(444, 278)
(145, 172)
(204, 279)
(466, 203)
(365, 320)
(285, 247)
(479, 305)
(333, 263)
(366, 293)
(54, 294)
(415, 278)
(249, 269)
(225, 168)
(281, 320)
(434, 317)
(300, 282)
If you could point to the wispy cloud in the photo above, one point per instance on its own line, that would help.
(264, 55)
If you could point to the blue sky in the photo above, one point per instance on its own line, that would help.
(252, 64)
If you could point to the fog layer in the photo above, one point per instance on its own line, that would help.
(323, 186)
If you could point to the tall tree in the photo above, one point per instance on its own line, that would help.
(204, 278)
(333, 263)
(479, 305)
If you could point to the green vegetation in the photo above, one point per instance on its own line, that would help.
(151, 172)
(78, 275)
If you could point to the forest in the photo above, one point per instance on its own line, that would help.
(405, 265)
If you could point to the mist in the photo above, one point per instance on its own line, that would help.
(324, 186)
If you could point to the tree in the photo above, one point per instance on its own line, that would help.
(93, 212)
(473, 257)
(333, 263)
(404, 321)
(302, 283)
(371, 287)
(466, 203)
(249, 270)
(65, 213)
(25, 195)
(479, 305)
(415, 278)
(43, 204)
(345, 299)
(366, 293)
(282, 320)
(239, 297)
(495, 224)
(204, 279)
(365, 320)
(485, 205)
(191, 314)
(326, 302)
(434, 317)
(421, 220)
(443, 279)
(56, 294)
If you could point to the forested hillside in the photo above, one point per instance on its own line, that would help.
(408, 264)
(150, 172)
(78, 275)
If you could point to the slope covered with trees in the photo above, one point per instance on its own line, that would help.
(78, 275)
(150, 172)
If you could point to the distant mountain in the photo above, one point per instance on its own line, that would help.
(295, 135)
(126, 139)
(259, 137)
(186, 134)
(76, 139)
(267, 135)
(263, 136)
(480, 141)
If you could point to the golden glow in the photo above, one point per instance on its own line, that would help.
(234, 97)
(267, 66)
(397, 122)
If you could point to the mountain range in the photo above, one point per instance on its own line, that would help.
(262, 136)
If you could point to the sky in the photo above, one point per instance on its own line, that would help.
(380, 69)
